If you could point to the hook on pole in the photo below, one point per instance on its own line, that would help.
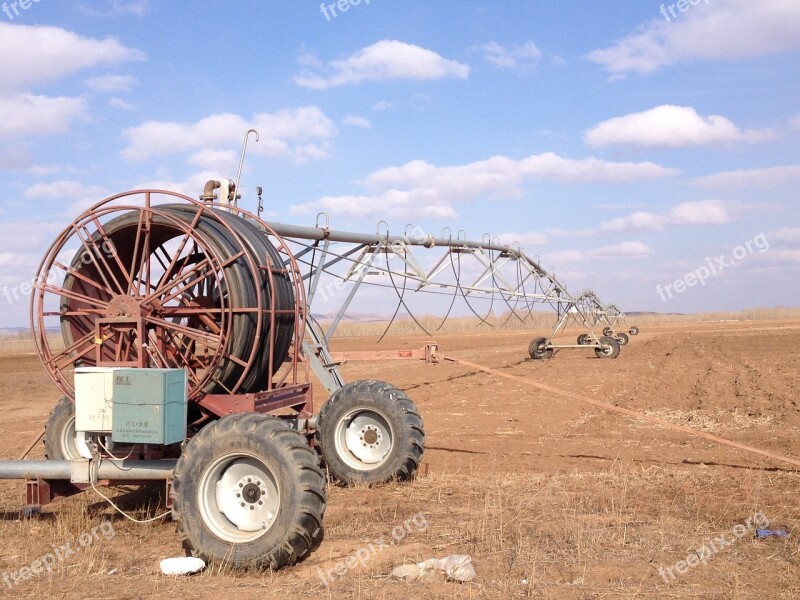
(241, 162)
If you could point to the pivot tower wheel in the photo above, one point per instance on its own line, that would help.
(609, 348)
(607, 331)
(538, 349)
(622, 338)
(634, 330)
(248, 491)
(370, 432)
(584, 339)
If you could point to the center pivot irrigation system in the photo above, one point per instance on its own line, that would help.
(186, 350)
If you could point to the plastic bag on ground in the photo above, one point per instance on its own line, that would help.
(457, 567)
(183, 565)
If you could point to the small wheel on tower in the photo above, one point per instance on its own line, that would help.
(539, 349)
(609, 348)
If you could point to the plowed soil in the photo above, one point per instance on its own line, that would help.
(549, 496)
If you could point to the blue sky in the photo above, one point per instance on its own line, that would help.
(622, 144)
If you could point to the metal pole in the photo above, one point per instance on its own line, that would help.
(131, 470)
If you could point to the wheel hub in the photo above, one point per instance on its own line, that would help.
(247, 497)
(368, 439)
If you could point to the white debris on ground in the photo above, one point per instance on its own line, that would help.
(457, 567)
(182, 565)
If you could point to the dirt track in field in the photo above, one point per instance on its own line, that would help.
(552, 498)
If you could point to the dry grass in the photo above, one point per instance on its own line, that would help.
(577, 535)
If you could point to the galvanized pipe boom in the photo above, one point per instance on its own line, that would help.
(112, 470)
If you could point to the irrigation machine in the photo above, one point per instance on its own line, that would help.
(179, 334)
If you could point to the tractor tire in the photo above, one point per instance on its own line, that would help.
(538, 349)
(609, 348)
(59, 432)
(634, 330)
(369, 433)
(248, 492)
(584, 339)
(607, 331)
(622, 338)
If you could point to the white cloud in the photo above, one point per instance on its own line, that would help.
(111, 83)
(385, 60)
(382, 105)
(29, 115)
(225, 161)
(65, 189)
(532, 238)
(357, 121)
(785, 234)
(749, 177)
(51, 53)
(702, 212)
(120, 103)
(296, 132)
(419, 188)
(118, 8)
(671, 126)
(191, 186)
(623, 250)
(518, 56)
(718, 30)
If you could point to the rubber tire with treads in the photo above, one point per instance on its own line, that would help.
(584, 339)
(622, 338)
(537, 349)
(610, 348)
(280, 452)
(607, 331)
(392, 418)
(634, 330)
(59, 443)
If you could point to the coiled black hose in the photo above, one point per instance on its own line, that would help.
(253, 270)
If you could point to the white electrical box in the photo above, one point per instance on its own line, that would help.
(94, 392)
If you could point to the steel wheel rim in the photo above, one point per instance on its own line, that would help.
(69, 449)
(239, 498)
(364, 439)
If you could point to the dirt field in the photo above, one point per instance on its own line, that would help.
(550, 497)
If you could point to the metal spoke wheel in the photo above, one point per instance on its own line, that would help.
(370, 432)
(248, 491)
(538, 349)
(156, 283)
(609, 348)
